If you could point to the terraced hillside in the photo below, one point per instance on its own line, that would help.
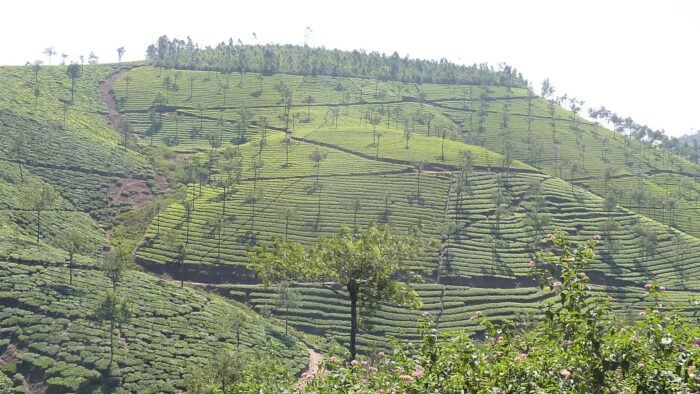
(50, 341)
(479, 167)
(57, 144)
(327, 110)
(50, 142)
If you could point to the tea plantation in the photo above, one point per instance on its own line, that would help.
(50, 340)
(397, 153)
(48, 333)
(195, 167)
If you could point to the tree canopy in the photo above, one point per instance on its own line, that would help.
(270, 59)
(371, 265)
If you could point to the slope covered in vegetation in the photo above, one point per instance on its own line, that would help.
(297, 157)
(64, 175)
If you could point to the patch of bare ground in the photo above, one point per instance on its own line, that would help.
(315, 360)
(33, 382)
(133, 192)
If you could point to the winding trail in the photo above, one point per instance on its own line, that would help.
(315, 360)
(105, 90)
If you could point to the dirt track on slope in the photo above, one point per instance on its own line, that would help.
(107, 97)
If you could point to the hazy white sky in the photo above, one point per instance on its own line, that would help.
(638, 58)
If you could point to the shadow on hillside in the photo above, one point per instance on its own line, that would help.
(415, 198)
(313, 225)
(65, 289)
(249, 238)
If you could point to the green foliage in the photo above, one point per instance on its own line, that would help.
(170, 329)
(580, 346)
(112, 309)
(365, 263)
(116, 264)
(302, 60)
(5, 384)
(243, 371)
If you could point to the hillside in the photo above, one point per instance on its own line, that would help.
(194, 161)
(397, 152)
(51, 343)
(49, 339)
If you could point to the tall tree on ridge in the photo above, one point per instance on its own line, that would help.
(49, 52)
(73, 72)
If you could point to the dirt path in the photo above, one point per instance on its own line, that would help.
(315, 360)
(105, 89)
(130, 189)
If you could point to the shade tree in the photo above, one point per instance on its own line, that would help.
(74, 243)
(366, 264)
(41, 200)
(115, 310)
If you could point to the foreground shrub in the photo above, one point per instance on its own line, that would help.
(580, 346)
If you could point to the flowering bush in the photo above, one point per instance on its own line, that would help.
(579, 346)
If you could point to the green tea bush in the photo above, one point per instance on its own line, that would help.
(579, 346)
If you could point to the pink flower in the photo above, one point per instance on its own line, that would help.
(417, 373)
(662, 288)
(520, 357)
(373, 369)
(642, 314)
(406, 377)
(696, 342)
(556, 286)
(308, 374)
(353, 362)
(363, 363)
(565, 373)
(648, 286)
(381, 354)
(425, 314)
(597, 237)
(568, 342)
(475, 315)
(582, 275)
(500, 339)
(641, 365)
(532, 264)
(656, 311)
(334, 359)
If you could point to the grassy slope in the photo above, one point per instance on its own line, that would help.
(171, 329)
(68, 147)
(486, 256)
(43, 317)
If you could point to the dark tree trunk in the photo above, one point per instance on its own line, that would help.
(353, 290)
(111, 342)
(38, 226)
